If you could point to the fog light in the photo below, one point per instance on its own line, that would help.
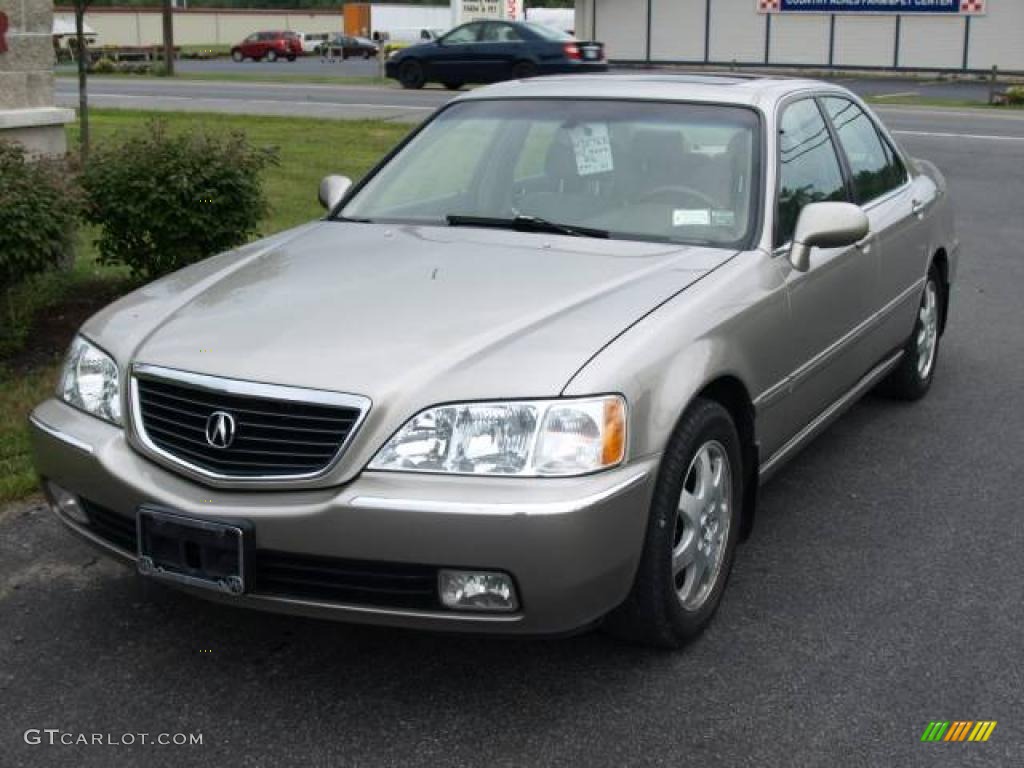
(66, 503)
(477, 591)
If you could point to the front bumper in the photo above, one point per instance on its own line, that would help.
(572, 545)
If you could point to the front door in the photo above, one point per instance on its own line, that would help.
(832, 300)
(452, 60)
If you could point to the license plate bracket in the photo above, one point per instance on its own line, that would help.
(197, 552)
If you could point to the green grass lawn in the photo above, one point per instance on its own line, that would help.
(39, 316)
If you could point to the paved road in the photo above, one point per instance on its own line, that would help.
(355, 102)
(882, 589)
(289, 99)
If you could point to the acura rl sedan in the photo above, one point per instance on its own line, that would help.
(527, 375)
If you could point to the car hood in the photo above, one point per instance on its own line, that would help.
(405, 315)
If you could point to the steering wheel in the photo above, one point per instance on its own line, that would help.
(675, 189)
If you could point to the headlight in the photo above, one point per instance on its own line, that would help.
(90, 381)
(525, 439)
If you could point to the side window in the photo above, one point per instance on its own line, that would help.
(500, 33)
(809, 170)
(462, 35)
(873, 164)
(252, 38)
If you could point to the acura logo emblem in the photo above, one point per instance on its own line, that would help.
(220, 429)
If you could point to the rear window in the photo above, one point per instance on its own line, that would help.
(549, 33)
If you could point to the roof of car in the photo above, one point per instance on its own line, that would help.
(725, 89)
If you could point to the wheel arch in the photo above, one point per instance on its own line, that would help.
(941, 261)
(732, 394)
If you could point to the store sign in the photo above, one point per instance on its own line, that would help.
(4, 25)
(954, 7)
(470, 10)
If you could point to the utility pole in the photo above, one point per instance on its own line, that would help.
(82, 54)
(168, 17)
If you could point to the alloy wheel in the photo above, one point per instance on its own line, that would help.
(928, 330)
(702, 525)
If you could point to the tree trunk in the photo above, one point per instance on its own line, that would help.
(168, 37)
(83, 94)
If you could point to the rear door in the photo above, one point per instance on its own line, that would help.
(501, 46)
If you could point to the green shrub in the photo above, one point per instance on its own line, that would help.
(166, 200)
(1015, 94)
(39, 207)
(104, 66)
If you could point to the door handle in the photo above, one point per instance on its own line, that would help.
(917, 207)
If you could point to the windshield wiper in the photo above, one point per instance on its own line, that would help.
(525, 224)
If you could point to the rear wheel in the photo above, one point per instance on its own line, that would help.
(292, 57)
(524, 69)
(692, 531)
(453, 85)
(913, 377)
(271, 55)
(236, 55)
(411, 74)
(367, 54)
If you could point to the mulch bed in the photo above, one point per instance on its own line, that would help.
(53, 329)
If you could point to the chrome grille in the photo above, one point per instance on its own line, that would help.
(279, 432)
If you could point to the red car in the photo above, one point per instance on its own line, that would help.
(269, 45)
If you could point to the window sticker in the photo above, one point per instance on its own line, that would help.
(723, 218)
(691, 217)
(592, 147)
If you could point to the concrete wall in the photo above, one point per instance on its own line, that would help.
(199, 26)
(726, 31)
(27, 113)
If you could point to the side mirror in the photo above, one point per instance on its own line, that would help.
(826, 225)
(332, 189)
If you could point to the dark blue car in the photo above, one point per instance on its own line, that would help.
(489, 51)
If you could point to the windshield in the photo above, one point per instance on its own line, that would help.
(634, 170)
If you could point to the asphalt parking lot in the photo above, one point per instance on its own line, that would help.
(881, 590)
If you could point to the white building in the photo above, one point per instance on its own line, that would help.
(890, 34)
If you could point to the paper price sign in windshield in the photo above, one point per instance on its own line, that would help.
(592, 147)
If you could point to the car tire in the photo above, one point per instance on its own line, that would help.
(237, 56)
(452, 85)
(913, 377)
(271, 56)
(524, 69)
(292, 57)
(411, 75)
(366, 55)
(692, 530)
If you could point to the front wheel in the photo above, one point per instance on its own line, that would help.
(692, 530)
(237, 56)
(292, 57)
(913, 377)
(411, 75)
